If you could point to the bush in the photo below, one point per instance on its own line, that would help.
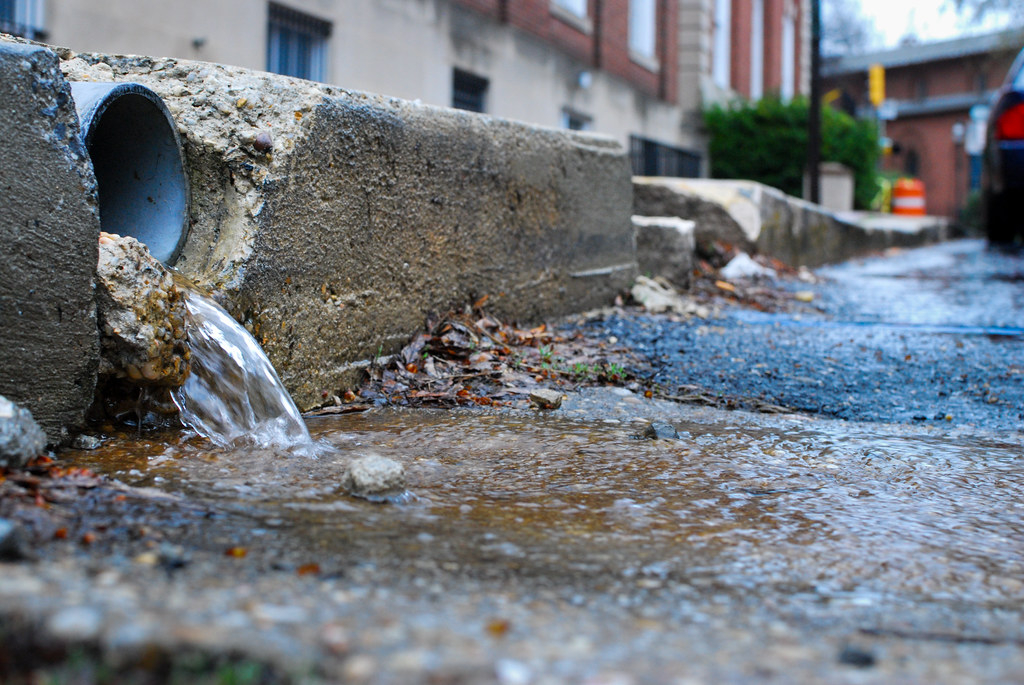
(766, 141)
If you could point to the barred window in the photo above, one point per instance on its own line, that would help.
(22, 18)
(651, 158)
(468, 91)
(297, 43)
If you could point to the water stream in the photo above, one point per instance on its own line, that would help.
(779, 510)
(233, 395)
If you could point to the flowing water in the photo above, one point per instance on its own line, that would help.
(794, 510)
(233, 395)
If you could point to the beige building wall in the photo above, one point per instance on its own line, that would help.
(232, 31)
(403, 48)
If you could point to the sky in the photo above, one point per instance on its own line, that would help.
(929, 20)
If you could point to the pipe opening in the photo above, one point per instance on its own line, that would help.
(136, 155)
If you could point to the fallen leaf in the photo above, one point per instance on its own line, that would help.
(498, 627)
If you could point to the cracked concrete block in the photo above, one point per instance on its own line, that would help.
(49, 225)
(666, 247)
(331, 223)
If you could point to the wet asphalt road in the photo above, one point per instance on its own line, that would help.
(933, 335)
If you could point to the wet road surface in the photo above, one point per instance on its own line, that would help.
(928, 335)
(548, 547)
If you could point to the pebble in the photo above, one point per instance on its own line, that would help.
(173, 557)
(75, 624)
(546, 399)
(262, 142)
(373, 476)
(11, 544)
(512, 672)
(856, 656)
(359, 668)
(660, 431)
(87, 442)
(21, 438)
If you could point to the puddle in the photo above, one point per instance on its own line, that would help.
(829, 511)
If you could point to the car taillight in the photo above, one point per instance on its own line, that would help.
(1010, 124)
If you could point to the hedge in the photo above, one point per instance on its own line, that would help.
(766, 141)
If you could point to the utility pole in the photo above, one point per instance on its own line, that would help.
(814, 110)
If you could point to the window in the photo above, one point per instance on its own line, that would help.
(757, 50)
(981, 81)
(642, 27)
(469, 91)
(921, 87)
(912, 162)
(577, 7)
(721, 46)
(788, 88)
(297, 44)
(651, 158)
(574, 121)
(22, 18)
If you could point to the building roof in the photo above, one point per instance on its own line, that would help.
(906, 55)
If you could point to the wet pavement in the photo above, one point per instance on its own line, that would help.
(560, 546)
(928, 335)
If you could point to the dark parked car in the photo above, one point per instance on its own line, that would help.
(1003, 184)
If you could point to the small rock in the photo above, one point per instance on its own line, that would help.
(21, 438)
(173, 557)
(12, 546)
(512, 672)
(856, 656)
(87, 442)
(374, 477)
(804, 296)
(262, 142)
(75, 624)
(546, 399)
(660, 431)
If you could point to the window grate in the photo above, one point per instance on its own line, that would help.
(297, 43)
(651, 158)
(469, 91)
(22, 18)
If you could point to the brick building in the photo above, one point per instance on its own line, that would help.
(638, 70)
(930, 91)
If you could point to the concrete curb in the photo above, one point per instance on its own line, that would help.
(49, 226)
(758, 218)
(332, 223)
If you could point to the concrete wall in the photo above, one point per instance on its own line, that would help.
(49, 226)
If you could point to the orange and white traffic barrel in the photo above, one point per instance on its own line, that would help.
(908, 197)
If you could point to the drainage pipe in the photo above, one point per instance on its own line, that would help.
(137, 157)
